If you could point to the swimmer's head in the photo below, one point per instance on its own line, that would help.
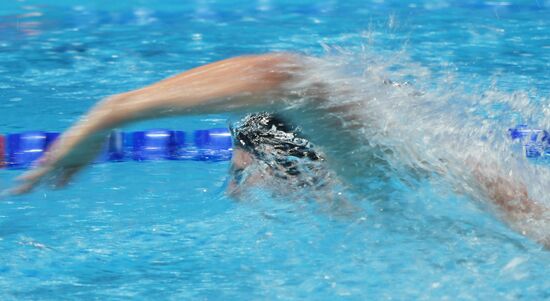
(268, 137)
(269, 152)
(264, 139)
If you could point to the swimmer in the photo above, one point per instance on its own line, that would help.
(281, 83)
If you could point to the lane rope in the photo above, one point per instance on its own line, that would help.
(21, 150)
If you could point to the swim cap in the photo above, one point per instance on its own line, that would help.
(265, 129)
(273, 141)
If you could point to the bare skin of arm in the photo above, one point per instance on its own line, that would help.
(511, 198)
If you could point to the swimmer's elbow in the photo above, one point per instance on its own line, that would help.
(275, 69)
(109, 113)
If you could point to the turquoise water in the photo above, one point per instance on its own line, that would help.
(166, 230)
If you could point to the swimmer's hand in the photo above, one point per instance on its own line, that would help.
(67, 156)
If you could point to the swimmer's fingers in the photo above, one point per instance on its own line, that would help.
(21, 189)
(35, 177)
(29, 180)
(65, 176)
(33, 174)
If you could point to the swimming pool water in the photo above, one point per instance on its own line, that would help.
(166, 230)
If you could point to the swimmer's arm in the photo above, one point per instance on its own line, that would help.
(234, 84)
(241, 83)
(512, 198)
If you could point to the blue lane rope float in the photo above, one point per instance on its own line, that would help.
(21, 150)
(535, 143)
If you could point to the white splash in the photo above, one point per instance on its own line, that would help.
(411, 122)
